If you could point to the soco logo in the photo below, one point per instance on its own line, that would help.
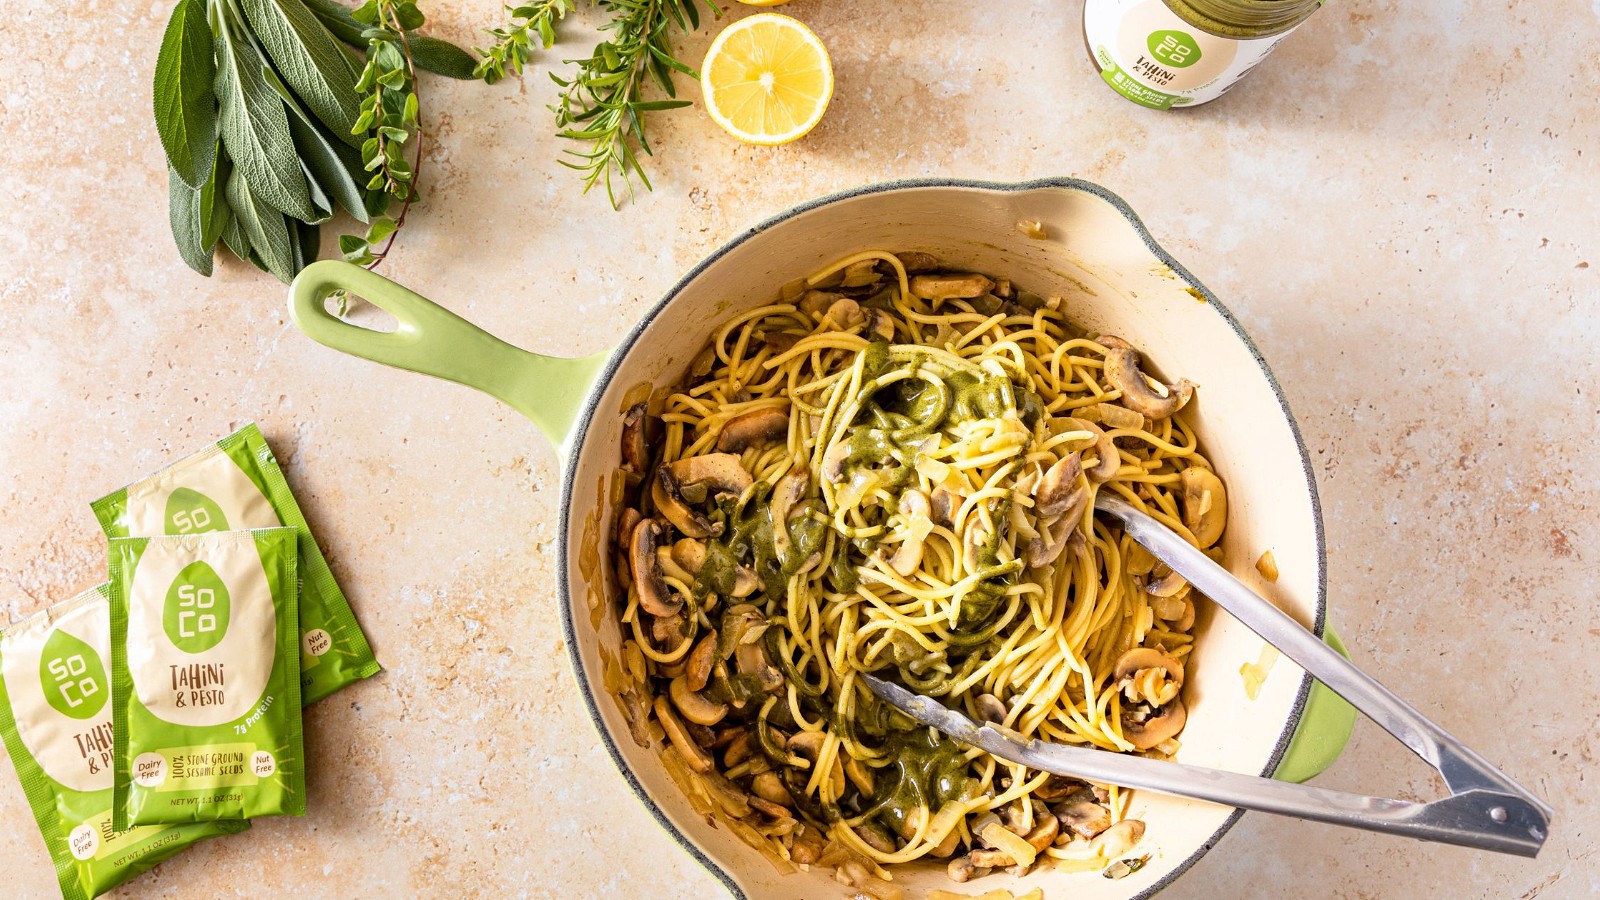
(196, 613)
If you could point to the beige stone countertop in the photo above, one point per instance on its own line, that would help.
(1402, 205)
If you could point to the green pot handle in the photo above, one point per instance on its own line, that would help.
(1324, 727)
(434, 341)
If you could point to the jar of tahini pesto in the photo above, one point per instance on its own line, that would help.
(1166, 53)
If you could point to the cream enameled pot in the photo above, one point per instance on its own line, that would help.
(1115, 279)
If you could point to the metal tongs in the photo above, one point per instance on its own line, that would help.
(1485, 809)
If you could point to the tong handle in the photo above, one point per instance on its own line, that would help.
(1462, 768)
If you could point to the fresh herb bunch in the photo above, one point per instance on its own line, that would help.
(257, 104)
(513, 41)
(388, 120)
(603, 104)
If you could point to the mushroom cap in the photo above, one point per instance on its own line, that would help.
(1167, 721)
(1055, 492)
(665, 492)
(694, 706)
(647, 580)
(754, 427)
(704, 655)
(692, 753)
(635, 441)
(1205, 505)
(1109, 460)
(914, 261)
(1123, 372)
(721, 472)
(1140, 658)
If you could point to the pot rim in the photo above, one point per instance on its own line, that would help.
(586, 416)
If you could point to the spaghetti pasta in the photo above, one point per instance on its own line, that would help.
(892, 470)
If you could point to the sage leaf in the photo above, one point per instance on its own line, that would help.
(233, 235)
(214, 214)
(327, 165)
(263, 226)
(183, 211)
(185, 104)
(307, 244)
(255, 131)
(310, 59)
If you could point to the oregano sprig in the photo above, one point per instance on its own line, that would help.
(388, 121)
(514, 40)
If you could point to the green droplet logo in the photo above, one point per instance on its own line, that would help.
(191, 512)
(196, 614)
(1173, 48)
(73, 677)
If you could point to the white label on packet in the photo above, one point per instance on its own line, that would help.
(202, 628)
(1156, 59)
(55, 673)
(205, 492)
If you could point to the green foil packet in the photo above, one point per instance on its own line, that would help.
(55, 716)
(204, 652)
(236, 483)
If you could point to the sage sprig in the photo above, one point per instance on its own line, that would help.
(259, 105)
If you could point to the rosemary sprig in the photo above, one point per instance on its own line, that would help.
(602, 104)
(514, 40)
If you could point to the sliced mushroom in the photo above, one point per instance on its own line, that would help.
(1168, 585)
(769, 787)
(785, 494)
(991, 859)
(1205, 504)
(943, 505)
(1118, 839)
(768, 808)
(914, 261)
(752, 659)
(1140, 658)
(808, 744)
(698, 671)
(664, 629)
(745, 582)
(670, 568)
(719, 472)
(962, 869)
(693, 753)
(1185, 621)
(1084, 817)
(845, 314)
(860, 775)
(880, 323)
(1055, 492)
(951, 286)
(1122, 371)
(1108, 459)
(815, 303)
(808, 845)
(690, 554)
(635, 448)
(833, 462)
(626, 520)
(754, 427)
(1165, 722)
(637, 714)
(908, 556)
(647, 580)
(1044, 832)
(1057, 787)
(990, 709)
(694, 706)
(668, 497)
(1047, 547)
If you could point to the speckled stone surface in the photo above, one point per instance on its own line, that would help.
(1402, 205)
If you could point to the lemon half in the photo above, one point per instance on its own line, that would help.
(767, 79)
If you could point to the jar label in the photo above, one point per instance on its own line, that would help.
(1152, 57)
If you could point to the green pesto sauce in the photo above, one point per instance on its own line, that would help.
(928, 771)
